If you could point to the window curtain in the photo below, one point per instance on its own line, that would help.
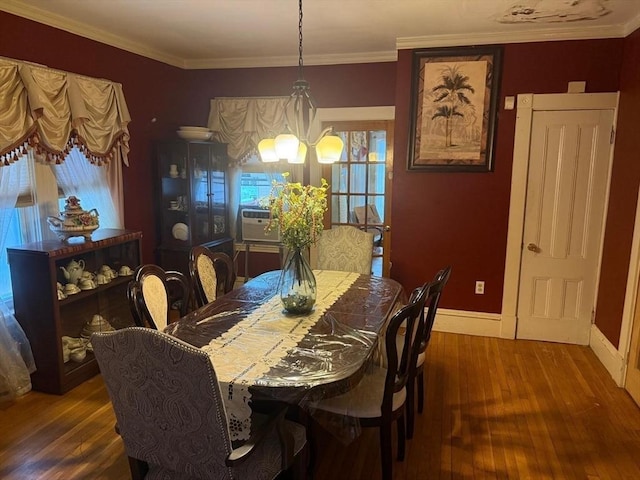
(89, 183)
(54, 112)
(16, 359)
(241, 122)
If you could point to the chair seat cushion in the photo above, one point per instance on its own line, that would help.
(365, 399)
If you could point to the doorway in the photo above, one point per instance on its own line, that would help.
(360, 184)
(561, 171)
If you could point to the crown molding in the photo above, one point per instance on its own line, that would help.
(77, 28)
(540, 35)
(632, 25)
(290, 61)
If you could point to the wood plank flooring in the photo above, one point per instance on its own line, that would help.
(495, 409)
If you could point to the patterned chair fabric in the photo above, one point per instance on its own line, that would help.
(170, 414)
(212, 274)
(345, 248)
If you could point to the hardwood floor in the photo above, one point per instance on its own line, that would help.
(495, 409)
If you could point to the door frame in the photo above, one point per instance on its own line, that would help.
(354, 114)
(526, 105)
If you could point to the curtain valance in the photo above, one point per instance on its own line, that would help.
(53, 111)
(241, 122)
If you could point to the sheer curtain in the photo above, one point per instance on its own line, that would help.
(90, 183)
(16, 359)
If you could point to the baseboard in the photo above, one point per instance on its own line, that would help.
(468, 323)
(608, 355)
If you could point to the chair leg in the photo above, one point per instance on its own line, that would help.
(420, 380)
(385, 450)
(401, 437)
(410, 406)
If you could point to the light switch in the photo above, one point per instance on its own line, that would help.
(509, 103)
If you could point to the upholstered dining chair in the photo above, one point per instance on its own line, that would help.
(416, 380)
(345, 248)
(212, 274)
(380, 396)
(154, 292)
(170, 415)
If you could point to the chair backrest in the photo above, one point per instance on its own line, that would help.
(400, 363)
(437, 285)
(345, 248)
(157, 291)
(135, 305)
(212, 274)
(167, 402)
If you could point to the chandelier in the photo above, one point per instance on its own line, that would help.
(300, 111)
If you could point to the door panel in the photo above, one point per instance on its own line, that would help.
(566, 195)
(361, 184)
(632, 379)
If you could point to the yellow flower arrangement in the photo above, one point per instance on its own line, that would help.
(297, 211)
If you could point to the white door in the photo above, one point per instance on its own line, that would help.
(569, 161)
(632, 380)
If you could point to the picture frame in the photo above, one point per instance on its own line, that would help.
(454, 96)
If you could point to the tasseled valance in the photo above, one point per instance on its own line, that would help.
(52, 111)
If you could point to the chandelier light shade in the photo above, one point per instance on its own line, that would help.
(329, 149)
(267, 149)
(293, 145)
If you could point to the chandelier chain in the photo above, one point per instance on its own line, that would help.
(300, 62)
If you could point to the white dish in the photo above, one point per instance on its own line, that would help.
(194, 129)
(180, 231)
(194, 135)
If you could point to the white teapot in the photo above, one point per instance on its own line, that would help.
(73, 271)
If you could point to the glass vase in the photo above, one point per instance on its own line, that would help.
(297, 285)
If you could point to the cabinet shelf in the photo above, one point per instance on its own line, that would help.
(36, 268)
(202, 194)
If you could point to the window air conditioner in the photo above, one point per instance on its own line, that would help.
(253, 223)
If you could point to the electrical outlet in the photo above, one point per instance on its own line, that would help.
(479, 287)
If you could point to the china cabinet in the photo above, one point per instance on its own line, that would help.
(61, 291)
(192, 200)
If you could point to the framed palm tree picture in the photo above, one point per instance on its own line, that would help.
(454, 94)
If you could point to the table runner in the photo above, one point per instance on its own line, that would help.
(243, 354)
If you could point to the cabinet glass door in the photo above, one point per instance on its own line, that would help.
(200, 187)
(174, 193)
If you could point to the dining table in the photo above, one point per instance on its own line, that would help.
(261, 352)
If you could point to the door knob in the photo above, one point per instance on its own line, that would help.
(387, 228)
(532, 247)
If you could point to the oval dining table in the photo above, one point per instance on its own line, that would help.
(259, 351)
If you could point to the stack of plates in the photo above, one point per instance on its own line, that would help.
(194, 133)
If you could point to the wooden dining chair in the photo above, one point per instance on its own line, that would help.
(379, 398)
(212, 274)
(154, 293)
(345, 248)
(416, 380)
(170, 414)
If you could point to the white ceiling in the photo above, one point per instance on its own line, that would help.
(251, 33)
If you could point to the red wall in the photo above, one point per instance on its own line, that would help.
(438, 218)
(151, 89)
(624, 195)
(460, 219)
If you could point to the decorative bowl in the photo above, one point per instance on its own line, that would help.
(186, 128)
(194, 134)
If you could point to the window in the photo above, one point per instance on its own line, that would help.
(42, 195)
(255, 186)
